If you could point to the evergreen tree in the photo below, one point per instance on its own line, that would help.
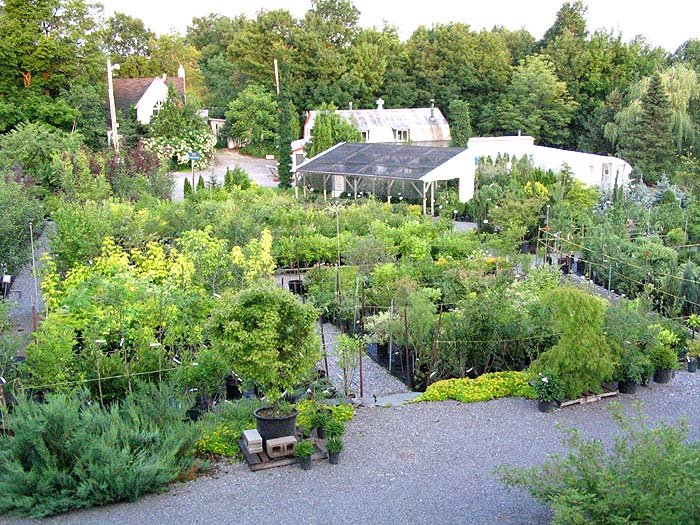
(648, 145)
(460, 123)
(285, 117)
(187, 188)
(329, 130)
(200, 184)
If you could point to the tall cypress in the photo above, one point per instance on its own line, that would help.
(284, 132)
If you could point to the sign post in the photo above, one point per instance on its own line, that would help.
(193, 156)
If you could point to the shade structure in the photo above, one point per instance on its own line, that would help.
(384, 170)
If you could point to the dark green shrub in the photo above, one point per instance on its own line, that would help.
(67, 453)
(650, 476)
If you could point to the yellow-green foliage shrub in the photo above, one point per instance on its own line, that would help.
(483, 388)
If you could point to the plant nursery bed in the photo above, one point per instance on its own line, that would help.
(261, 461)
(589, 398)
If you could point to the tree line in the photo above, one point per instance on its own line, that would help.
(573, 88)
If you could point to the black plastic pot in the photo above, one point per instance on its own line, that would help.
(545, 406)
(305, 463)
(627, 387)
(333, 458)
(692, 365)
(663, 375)
(275, 427)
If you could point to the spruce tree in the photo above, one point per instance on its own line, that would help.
(649, 146)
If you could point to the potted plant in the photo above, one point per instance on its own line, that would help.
(663, 357)
(633, 368)
(320, 421)
(548, 389)
(693, 354)
(334, 447)
(304, 450)
(334, 428)
(268, 338)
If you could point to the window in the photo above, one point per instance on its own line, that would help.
(402, 135)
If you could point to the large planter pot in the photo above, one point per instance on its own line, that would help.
(692, 365)
(663, 375)
(545, 406)
(305, 463)
(627, 387)
(275, 427)
(333, 458)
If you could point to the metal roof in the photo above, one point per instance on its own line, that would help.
(392, 161)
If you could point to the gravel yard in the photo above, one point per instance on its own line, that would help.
(420, 463)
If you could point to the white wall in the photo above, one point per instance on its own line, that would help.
(157, 93)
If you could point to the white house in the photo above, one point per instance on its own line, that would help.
(419, 126)
(595, 170)
(146, 95)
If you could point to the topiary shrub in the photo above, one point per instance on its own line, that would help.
(67, 454)
(582, 358)
(649, 476)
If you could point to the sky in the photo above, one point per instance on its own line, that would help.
(667, 24)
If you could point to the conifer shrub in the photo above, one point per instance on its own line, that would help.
(69, 453)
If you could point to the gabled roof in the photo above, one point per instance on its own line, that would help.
(379, 160)
(400, 118)
(128, 91)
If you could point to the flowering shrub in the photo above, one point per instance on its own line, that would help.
(483, 388)
(178, 148)
(548, 387)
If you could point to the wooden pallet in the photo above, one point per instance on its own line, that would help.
(261, 461)
(590, 398)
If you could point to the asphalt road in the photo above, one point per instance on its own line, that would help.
(416, 464)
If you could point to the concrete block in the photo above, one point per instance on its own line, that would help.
(281, 447)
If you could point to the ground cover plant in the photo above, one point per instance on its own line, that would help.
(484, 388)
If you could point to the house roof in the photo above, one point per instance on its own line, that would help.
(400, 118)
(128, 91)
(379, 160)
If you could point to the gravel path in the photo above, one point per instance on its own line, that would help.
(376, 379)
(420, 463)
(23, 291)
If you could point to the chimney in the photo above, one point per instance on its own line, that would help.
(180, 72)
(351, 105)
(432, 110)
(380, 103)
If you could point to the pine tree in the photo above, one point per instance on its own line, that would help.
(200, 184)
(649, 145)
(187, 188)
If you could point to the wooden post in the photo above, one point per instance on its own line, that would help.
(432, 199)
(323, 344)
(361, 346)
(409, 374)
(433, 358)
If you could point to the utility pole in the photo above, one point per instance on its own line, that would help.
(112, 109)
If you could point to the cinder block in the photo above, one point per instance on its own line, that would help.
(281, 447)
(253, 441)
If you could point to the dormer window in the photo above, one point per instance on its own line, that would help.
(402, 134)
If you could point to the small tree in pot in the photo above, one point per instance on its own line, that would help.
(268, 338)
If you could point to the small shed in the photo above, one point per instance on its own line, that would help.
(388, 171)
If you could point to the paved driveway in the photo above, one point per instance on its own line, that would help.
(258, 170)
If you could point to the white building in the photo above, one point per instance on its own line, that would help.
(595, 170)
(418, 126)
